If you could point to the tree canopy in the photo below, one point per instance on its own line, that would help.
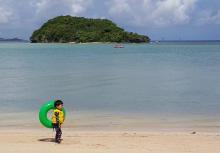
(65, 29)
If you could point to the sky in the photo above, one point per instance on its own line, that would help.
(158, 19)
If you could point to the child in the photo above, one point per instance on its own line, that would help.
(58, 119)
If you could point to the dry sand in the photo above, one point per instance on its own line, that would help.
(40, 140)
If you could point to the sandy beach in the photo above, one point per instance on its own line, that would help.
(110, 135)
(41, 141)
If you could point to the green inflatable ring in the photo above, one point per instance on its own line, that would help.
(45, 108)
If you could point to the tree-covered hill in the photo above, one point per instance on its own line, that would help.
(65, 29)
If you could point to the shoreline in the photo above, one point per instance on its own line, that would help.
(96, 121)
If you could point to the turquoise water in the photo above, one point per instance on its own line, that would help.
(151, 79)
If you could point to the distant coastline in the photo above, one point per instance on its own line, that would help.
(181, 42)
(185, 40)
(13, 40)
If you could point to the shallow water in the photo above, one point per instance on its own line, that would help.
(163, 80)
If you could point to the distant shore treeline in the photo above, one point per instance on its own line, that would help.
(12, 40)
(64, 29)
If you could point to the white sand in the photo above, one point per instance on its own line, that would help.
(38, 140)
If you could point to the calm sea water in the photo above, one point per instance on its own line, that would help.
(153, 79)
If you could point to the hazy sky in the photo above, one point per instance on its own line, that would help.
(159, 19)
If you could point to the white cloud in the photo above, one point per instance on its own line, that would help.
(58, 7)
(119, 7)
(79, 6)
(5, 15)
(156, 12)
(208, 17)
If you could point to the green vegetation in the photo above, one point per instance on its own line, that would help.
(65, 29)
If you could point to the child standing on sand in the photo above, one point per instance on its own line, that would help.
(58, 119)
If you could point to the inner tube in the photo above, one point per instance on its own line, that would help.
(45, 108)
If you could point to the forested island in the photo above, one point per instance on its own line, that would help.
(65, 29)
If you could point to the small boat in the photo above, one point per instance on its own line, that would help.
(118, 46)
